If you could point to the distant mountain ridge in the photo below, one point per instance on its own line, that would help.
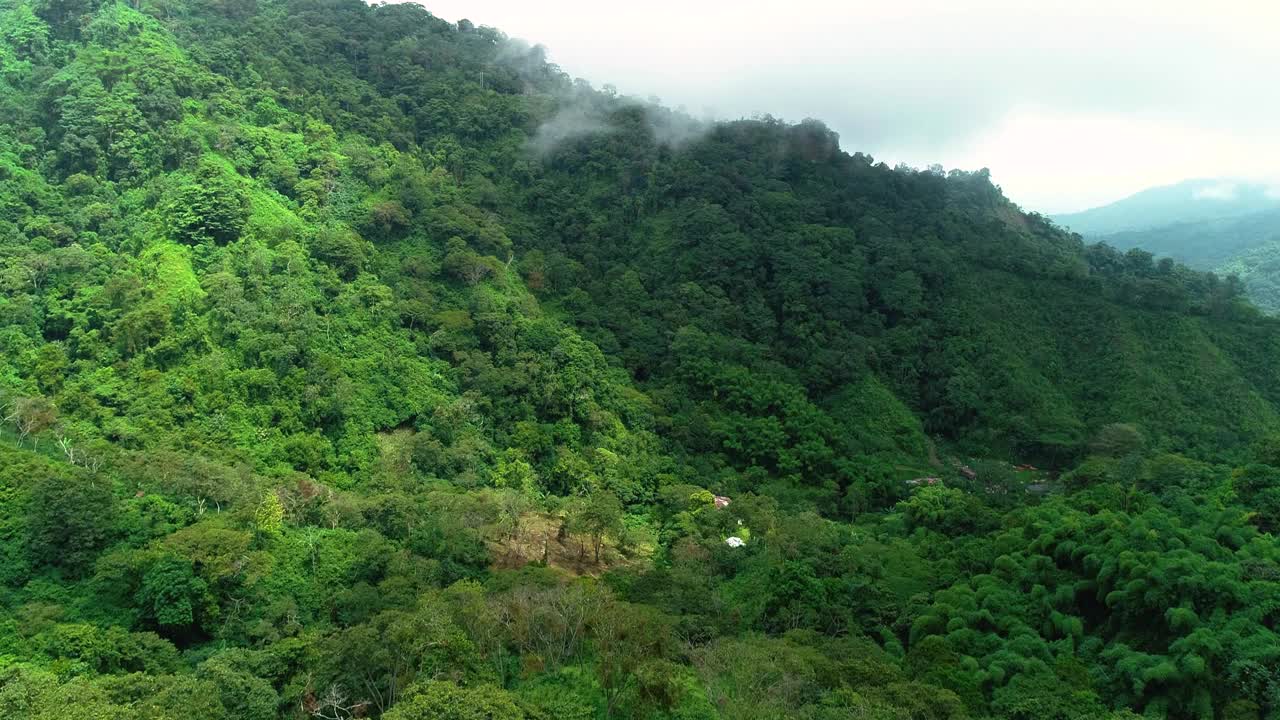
(1230, 227)
(1185, 202)
(1204, 244)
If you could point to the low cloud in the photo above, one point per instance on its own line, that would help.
(672, 128)
(586, 112)
(570, 123)
(1219, 191)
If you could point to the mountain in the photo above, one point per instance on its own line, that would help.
(1247, 246)
(1203, 244)
(354, 363)
(1187, 202)
(1226, 227)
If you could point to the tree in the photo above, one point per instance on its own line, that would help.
(515, 472)
(244, 694)
(1258, 486)
(464, 263)
(342, 248)
(598, 515)
(631, 644)
(30, 416)
(269, 517)
(71, 518)
(333, 704)
(439, 700)
(944, 509)
(1117, 440)
(211, 206)
(174, 599)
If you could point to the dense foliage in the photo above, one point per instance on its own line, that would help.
(358, 364)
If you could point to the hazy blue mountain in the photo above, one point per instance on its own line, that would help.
(1189, 201)
(1204, 244)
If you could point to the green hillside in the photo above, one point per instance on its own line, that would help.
(357, 364)
(1227, 227)
(1244, 246)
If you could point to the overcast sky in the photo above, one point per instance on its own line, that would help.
(1070, 104)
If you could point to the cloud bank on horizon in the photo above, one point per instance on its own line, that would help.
(1071, 104)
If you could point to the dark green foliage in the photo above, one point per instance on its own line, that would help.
(173, 598)
(71, 518)
(209, 207)
(1117, 440)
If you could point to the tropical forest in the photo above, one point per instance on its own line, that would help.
(359, 364)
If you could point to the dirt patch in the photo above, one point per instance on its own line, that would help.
(540, 539)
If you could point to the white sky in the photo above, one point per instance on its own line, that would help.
(1071, 104)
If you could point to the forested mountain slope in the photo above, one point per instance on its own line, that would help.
(358, 364)
(1247, 246)
(1225, 226)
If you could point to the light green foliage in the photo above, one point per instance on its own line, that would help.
(268, 519)
(446, 701)
(945, 509)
